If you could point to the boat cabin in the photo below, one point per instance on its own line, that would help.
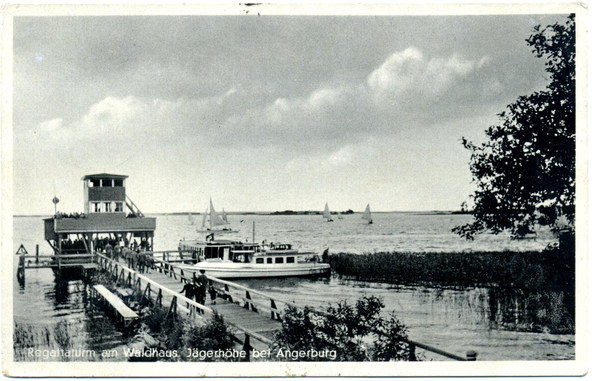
(250, 253)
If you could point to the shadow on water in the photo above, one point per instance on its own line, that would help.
(71, 325)
(498, 308)
(531, 311)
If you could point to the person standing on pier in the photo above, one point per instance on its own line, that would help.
(202, 283)
(213, 294)
(134, 260)
(108, 249)
(189, 289)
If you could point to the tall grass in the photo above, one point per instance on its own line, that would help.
(525, 270)
(57, 336)
(530, 290)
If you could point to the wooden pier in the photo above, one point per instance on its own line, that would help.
(253, 316)
(163, 287)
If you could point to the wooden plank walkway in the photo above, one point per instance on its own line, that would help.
(164, 289)
(233, 312)
(117, 304)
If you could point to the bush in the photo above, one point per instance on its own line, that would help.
(353, 333)
(186, 336)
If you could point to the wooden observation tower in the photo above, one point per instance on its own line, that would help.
(110, 217)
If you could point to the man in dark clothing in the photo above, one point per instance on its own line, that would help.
(202, 283)
(189, 289)
(213, 294)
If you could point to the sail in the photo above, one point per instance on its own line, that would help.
(224, 216)
(326, 213)
(215, 219)
(191, 219)
(204, 219)
(367, 214)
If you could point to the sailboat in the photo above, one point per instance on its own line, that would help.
(327, 214)
(204, 219)
(215, 221)
(224, 216)
(367, 214)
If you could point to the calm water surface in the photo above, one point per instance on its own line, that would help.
(454, 320)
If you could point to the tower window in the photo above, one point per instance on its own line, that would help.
(107, 183)
(96, 207)
(107, 207)
(118, 206)
(118, 183)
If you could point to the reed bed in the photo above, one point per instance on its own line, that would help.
(530, 291)
(59, 336)
(524, 270)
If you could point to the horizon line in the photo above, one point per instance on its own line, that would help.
(270, 212)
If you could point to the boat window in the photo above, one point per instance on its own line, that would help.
(211, 252)
(107, 207)
(269, 260)
(278, 260)
(260, 260)
(118, 183)
(239, 258)
(118, 207)
(107, 183)
(289, 260)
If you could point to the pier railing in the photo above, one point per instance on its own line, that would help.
(159, 294)
(248, 298)
(53, 261)
(267, 304)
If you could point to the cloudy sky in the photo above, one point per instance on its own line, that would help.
(262, 113)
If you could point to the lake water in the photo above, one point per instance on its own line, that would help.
(453, 320)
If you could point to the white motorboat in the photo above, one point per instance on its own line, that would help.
(235, 259)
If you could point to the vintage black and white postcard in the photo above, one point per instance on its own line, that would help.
(292, 190)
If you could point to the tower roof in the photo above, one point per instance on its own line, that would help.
(101, 176)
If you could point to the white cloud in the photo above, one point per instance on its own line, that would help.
(321, 98)
(409, 73)
(397, 73)
(51, 125)
(339, 158)
(326, 118)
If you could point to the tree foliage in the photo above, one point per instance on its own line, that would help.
(525, 171)
(355, 333)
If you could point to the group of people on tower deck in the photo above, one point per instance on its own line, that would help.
(75, 215)
(196, 289)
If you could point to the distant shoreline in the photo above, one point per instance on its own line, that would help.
(282, 213)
